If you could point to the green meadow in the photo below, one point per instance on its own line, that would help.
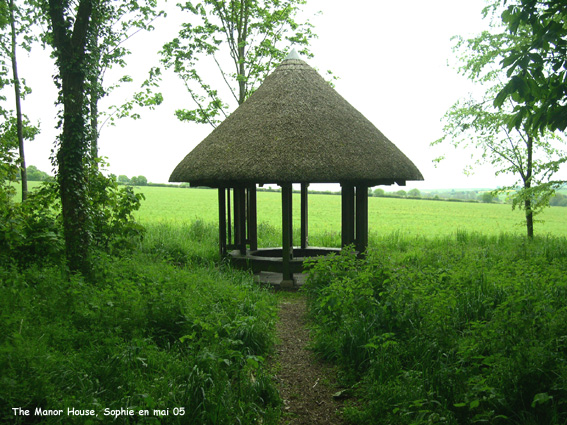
(410, 217)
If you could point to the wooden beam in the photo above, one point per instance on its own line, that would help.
(361, 218)
(347, 214)
(304, 216)
(222, 222)
(252, 211)
(228, 204)
(287, 243)
(240, 219)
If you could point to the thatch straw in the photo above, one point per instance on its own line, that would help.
(295, 128)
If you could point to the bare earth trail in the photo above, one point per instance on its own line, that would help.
(305, 383)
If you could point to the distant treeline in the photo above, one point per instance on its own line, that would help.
(473, 196)
(35, 175)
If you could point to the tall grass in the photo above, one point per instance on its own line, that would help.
(163, 328)
(461, 329)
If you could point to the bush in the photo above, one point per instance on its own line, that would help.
(32, 231)
(148, 335)
(456, 330)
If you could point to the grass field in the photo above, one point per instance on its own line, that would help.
(386, 215)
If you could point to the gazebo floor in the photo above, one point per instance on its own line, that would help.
(275, 280)
(267, 264)
(270, 259)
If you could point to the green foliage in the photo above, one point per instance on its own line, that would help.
(457, 330)
(34, 174)
(32, 230)
(487, 197)
(535, 67)
(193, 243)
(112, 210)
(123, 179)
(114, 24)
(559, 200)
(139, 181)
(244, 36)
(378, 192)
(148, 336)
(414, 193)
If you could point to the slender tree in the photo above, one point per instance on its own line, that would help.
(18, 98)
(493, 132)
(18, 22)
(244, 39)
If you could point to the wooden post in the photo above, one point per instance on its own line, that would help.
(347, 214)
(235, 219)
(222, 222)
(361, 218)
(304, 216)
(228, 204)
(240, 219)
(252, 218)
(287, 243)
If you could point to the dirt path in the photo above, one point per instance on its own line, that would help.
(306, 385)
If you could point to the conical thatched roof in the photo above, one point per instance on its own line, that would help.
(295, 128)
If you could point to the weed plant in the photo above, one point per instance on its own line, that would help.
(148, 335)
(454, 330)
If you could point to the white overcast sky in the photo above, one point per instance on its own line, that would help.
(393, 59)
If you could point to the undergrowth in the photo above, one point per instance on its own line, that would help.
(148, 335)
(457, 330)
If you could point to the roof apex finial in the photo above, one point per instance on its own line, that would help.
(293, 55)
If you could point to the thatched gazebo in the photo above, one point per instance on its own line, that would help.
(295, 128)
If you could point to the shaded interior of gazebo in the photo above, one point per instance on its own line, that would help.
(238, 228)
(294, 129)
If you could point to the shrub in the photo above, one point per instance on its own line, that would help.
(148, 335)
(453, 330)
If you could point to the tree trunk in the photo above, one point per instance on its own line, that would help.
(73, 149)
(527, 186)
(242, 41)
(95, 93)
(72, 175)
(19, 122)
(94, 117)
(529, 218)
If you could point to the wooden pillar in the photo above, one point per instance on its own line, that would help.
(361, 218)
(287, 242)
(229, 220)
(347, 214)
(222, 222)
(304, 216)
(240, 219)
(235, 220)
(252, 216)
